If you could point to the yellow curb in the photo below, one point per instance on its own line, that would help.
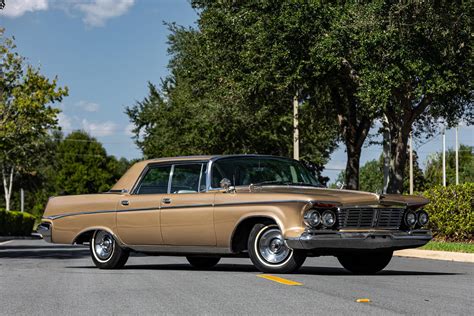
(278, 279)
(436, 255)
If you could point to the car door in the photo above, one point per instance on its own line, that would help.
(138, 214)
(187, 214)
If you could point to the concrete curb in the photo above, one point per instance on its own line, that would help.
(436, 255)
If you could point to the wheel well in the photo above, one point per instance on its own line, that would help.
(241, 234)
(84, 237)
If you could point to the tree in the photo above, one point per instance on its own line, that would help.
(220, 98)
(434, 167)
(25, 113)
(371, 176)
(418, 69)
(82, 166)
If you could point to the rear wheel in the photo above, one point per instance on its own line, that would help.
(269, 253)
(365, 263)
(203, 262)
(105, 251)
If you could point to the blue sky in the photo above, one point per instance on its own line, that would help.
(105, 51)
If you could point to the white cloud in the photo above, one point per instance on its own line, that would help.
(64, 121)
(95, 12)
(88, 106)
(98, 11)
(99, 129)
(16, 8)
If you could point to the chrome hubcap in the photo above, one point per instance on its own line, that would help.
(104, 245)
(272, 247)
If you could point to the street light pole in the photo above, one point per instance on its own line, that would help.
(444, 157)
(457, 157)
(411, 163)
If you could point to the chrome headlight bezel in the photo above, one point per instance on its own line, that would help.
(312, 218)
(410, 223)
(419, 217)
(324, 215)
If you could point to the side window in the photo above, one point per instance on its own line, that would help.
(186, 178)
(155, 181)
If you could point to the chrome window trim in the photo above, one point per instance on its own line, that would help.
(134, 189)
(214, 159)
(170, 179)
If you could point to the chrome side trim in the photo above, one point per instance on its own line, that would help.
(186, 206)
(180, 249)
(175, 207)
(261, 202)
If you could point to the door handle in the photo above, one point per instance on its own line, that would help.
(124, 202)
(166, 200)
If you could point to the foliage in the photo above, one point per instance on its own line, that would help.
(434, 167)
(77, 164)
(82, 166)
(371, 176)
(25, 113)
(450, 246)
(16, 223)
(223, 97)
(451, 211)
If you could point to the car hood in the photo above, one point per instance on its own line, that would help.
(340, 197)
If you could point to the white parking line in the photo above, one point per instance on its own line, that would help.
(5, 242)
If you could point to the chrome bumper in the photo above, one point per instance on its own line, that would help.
(367, 240)
(44, 229)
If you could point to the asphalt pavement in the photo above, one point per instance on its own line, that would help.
(37, 278)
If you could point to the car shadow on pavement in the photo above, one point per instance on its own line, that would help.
(342, 271)
(250, 268)
(43, 252)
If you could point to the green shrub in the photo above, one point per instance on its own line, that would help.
(451, 211)
(16, 223)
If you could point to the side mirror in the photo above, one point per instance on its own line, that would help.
(340, 185)
(226, 185)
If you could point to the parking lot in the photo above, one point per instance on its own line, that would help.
(40, 278)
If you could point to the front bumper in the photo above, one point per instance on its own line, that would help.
(44, 229)
(363, 240)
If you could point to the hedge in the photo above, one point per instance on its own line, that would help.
(16, 223)
(451, 211)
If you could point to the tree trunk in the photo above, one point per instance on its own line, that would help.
(398, 158)
(7, 185)
(352, 166)
(386, 153)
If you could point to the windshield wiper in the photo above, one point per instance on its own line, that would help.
(270, 182)
(287, 183)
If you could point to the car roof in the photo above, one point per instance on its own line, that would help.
(208, 157)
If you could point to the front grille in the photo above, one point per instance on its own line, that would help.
(389, 218)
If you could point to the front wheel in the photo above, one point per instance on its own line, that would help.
(269, 253)
(105, 252)
(365, 263)
(203, 263)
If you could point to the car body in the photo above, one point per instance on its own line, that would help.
(206, 207)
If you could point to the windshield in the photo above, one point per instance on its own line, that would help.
(261, 170)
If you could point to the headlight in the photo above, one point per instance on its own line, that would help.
(328, 218)
(423, 218)
(312, 218)
(410, 219)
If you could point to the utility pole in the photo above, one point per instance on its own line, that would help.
(296, 140)
(457, 157)
(411, 163)
(444, 156)
(22, 199)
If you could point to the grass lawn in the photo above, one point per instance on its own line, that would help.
(449, 246)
